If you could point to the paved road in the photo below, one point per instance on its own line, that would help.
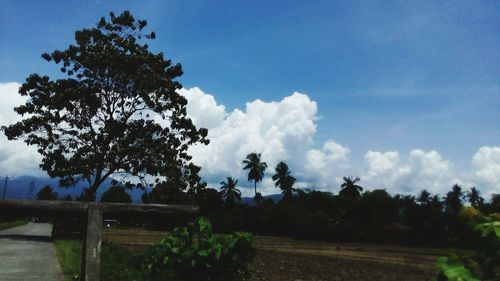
(27, 253)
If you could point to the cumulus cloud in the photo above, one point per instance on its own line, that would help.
(15, 157)
(486, 164)
(284, 130)
(326, 167)
(204, 110)
(10, 99)
(384, 169)
(269, 128)
(279, 130)
(416, 171)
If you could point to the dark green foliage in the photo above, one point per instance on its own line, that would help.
(375, 217)
(495, 203)
(187, 188)
(258, 198)
(96, 121)
(193, 253)
(453, 200)
(116, 263)
(116, 194)
(474, 198)
(209, 201)
(284, 180)
(424, 198)
(166, 193)
(121, 264)
(350, 189)
(230, 194)
(46, 193)
(484, 265)
(255, 170)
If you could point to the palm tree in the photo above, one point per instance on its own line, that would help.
(255, 167)
(474, 198)
(229, 192)
(284, 180)
(349, 188)
(424, 197)
(287, 188)
(453, 200)
(258, 198)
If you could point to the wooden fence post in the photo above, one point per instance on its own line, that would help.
(91, 258)
(91, 248)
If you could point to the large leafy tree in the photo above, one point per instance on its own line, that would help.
(284, 180)
(349, 188)
(255, 168)
(105, 115)
(229, 192)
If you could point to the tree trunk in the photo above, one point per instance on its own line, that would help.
(90, 193)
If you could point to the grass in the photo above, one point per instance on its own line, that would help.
(116, 263)
(11, 224)
(69, 253)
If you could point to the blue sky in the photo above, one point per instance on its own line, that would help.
(385, 75)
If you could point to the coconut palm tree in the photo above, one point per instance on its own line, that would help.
(474, 198)
(424, 197)
(453, 200)
(349, 188)
(258, 199)
(287, 188)
(229, 192)
(255, 167)
(284, 180)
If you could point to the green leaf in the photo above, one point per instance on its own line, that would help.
(204, 261)
(454, 270)
(489, 227)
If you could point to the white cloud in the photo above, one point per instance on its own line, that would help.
(384, 170)
(325, 168)
(16, 158)
(10, 99)
(486, 164)
(284, 131)
(280, 131)
(203, 108)
(414, 172)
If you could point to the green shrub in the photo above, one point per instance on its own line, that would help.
(194, 253)
(484, 265)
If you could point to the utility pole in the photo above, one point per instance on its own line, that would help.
(5, 187)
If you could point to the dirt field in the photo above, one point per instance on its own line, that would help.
(296, 260)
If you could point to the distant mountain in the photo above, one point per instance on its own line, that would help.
(249, 200)
(26, 187)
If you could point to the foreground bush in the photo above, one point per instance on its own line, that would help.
(484, 264)
(193, 253)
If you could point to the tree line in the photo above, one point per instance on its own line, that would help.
(350, 215)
